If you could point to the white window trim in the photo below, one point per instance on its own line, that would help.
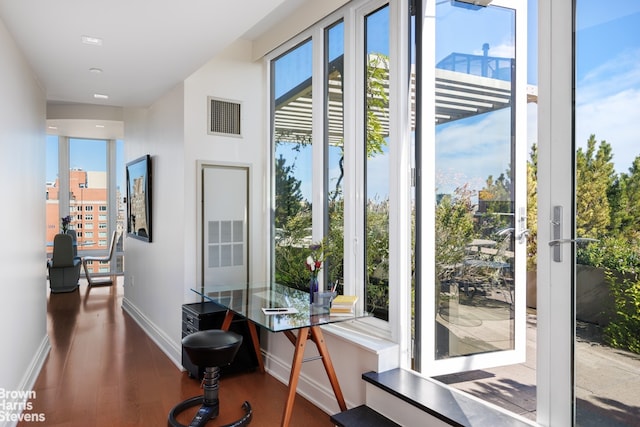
(397, 329)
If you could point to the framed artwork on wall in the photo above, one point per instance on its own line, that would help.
(139, 198)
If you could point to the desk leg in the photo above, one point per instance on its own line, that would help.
(256, 344)
(296, 366)
(318, 338)
(226, 324)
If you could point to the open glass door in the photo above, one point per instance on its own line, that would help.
(473, 186)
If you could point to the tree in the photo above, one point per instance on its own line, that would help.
(288, 194)
(532, 208)
(454, 231)
(625, 203)
(495, 200)
(595, 176)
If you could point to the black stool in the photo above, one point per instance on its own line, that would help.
(210, 348)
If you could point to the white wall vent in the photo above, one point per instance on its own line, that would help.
(224, 117)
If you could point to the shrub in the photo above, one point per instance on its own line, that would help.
(624, 330)
(621, 262)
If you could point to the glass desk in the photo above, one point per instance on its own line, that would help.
(248, 301)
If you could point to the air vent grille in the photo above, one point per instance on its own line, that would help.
(224, 117)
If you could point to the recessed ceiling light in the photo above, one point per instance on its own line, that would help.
(53, 127)
(94, 41)
(100, 96)
(100, 126)
(95, 70)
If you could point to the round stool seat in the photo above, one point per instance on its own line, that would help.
(212, 347)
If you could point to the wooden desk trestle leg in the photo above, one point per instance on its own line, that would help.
(315, 333)
(226, 324)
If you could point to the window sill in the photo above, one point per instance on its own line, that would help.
(354, 333)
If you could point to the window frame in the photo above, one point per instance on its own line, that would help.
(397, 328)
(110, 210)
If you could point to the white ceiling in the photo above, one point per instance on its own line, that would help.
(148, 46)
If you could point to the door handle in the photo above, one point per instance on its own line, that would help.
(556, 242)
(523, 235)
(577, 240)
(557, 239)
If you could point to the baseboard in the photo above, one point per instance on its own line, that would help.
(310, 389)
(29, 378)
(162, 340)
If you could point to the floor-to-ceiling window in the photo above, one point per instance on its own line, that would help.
(293, 162)
(332, 200)
(334, 145)
(376, 151)
(607, 284)
(85, 184)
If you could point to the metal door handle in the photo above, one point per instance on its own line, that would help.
(556, 242)
(577, 240)
(523, 235)
(556, 223)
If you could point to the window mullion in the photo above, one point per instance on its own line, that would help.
(319, 162)
(63, 176)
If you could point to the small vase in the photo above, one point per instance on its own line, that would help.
(313, 288)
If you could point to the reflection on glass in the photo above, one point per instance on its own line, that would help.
(607, 288)
(376, 62)
(293, 165)
(334, 131)
(474, 211)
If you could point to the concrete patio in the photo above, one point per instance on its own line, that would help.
(608, 381)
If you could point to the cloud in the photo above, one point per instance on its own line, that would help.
(472, 150)
(607, 100)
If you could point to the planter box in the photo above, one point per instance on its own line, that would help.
(594, 303)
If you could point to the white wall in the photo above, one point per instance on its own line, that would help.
(159, 275)
(23, 289)
(154, 273)
(231, 76)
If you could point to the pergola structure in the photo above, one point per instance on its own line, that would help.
(466, 86)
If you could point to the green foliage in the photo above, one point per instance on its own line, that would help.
(288, 194)
(620, 259)
(377, 102)
(335, 242)
(496, 198)
(595, 175)
(607, 209)
(624, 330)
(377, 255)
(611, 253)
(624, 197)
(454, 231)
(532, 208)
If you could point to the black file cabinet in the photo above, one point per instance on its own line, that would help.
(209, 315)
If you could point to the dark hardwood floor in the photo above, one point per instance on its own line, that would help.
(104, 371)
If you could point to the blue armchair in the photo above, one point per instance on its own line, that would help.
(64, 266)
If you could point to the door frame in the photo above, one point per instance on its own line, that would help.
(426, 363)
(201, 191)
(556, 187)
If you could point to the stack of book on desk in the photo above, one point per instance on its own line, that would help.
(343, 305)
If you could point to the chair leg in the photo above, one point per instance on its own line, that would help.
(86, 273)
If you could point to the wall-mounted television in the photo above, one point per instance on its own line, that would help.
(139, 198)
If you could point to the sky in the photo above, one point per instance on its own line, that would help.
(85, 154)
(607, 89)
(608, 77)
